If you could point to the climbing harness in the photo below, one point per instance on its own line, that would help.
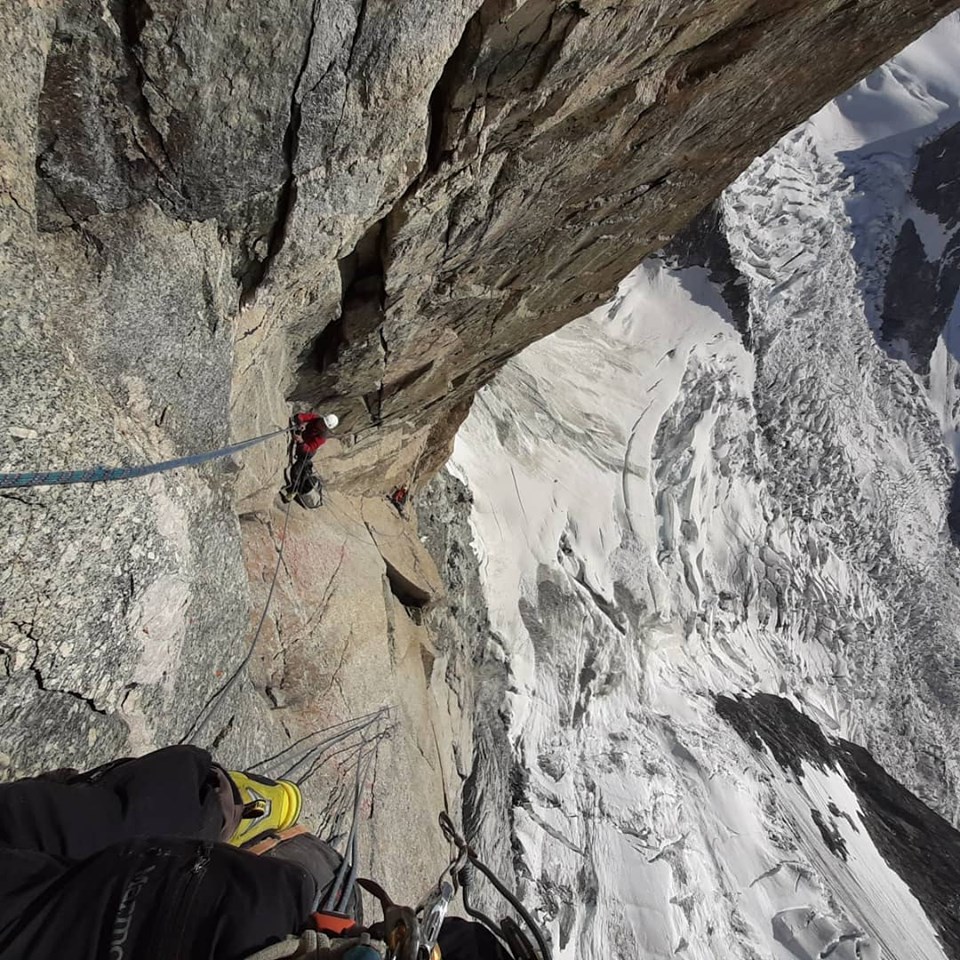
(99, 474)
(306, 487)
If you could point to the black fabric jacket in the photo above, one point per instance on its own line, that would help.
(125, 864)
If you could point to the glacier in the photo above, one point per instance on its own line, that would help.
(736, 480)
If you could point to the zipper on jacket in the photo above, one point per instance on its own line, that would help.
(176, 921)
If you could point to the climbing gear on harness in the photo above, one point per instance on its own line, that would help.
(302, 484)
(407, 933)
(333, 924)
(318, 858)
(301, 481)
(433, 908)
(101, 474)
(312, 945)
(412, 934)
(433, 911)
(310, 495)
(508, 931)
(400, 928)
(268, 805)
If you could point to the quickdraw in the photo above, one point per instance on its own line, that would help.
(412, 933)
(508, 931)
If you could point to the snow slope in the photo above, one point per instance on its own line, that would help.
(904, 103)
(662, 514)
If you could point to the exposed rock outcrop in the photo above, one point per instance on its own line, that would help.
(924, 272)
(342, 640)
(921, 846)
(402, 196)
(463, 633)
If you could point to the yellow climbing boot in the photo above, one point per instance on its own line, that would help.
(268, 805)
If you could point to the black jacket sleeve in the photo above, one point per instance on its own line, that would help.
(170, 793)
(149, 900)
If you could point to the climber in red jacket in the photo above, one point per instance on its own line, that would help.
(310, 432)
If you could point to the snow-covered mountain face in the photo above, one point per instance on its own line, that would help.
(737, 479)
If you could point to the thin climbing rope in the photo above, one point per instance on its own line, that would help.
(365, 718)
(342, 887)
(206, 712)
(99, 474)
(321, 752)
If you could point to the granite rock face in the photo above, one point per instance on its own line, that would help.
(464, 635)
(401, 196)
(125, 607)
(113, 598)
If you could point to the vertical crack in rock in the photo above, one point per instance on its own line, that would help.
(100, 145)
(362, 310)
(454, 92)
(545, 51)
(349, 356)
(386, 351)
(515, 62)
(131, 17)
(257, 272)
(441, 104)
(363, 271)
(357, 29)
(222, 733)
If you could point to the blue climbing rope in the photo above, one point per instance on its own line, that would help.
(104, 474)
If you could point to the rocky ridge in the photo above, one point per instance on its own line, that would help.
(398, 198)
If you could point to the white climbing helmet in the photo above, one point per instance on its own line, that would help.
(331, 420)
